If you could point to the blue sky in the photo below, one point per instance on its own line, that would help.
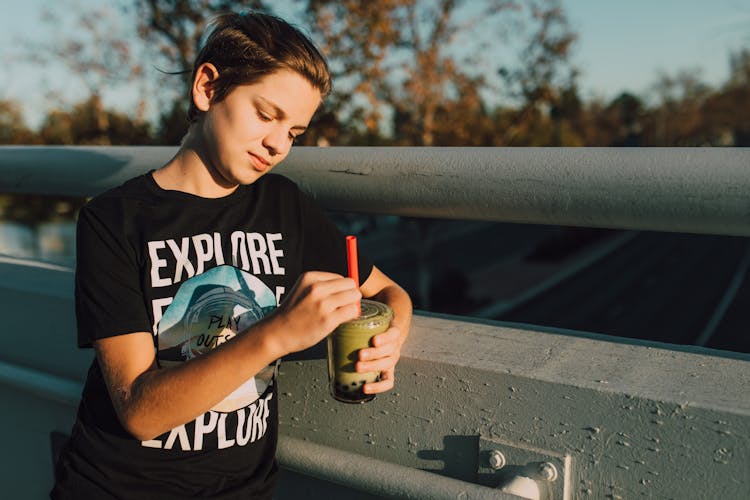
(623, 45)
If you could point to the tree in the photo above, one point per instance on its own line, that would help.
(739, 64)
(88, 122)
(436, 78)
(94, 51)
(172, 30)
(542, 77)
(624, 117)
(410, 59)
(412, 70)
(677, 118)
(12, 127)
(726, 125)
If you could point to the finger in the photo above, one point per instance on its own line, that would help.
(318, 285)
(386, 383)
(377, 365)
(383, 351)
(383, 344)
(393, 334)
(321, 276)
(327, 287)
(329, 296)
(343, 313)
(342, 302)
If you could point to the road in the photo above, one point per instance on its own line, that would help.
(667, 287)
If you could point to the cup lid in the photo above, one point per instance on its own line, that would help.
(372, 310)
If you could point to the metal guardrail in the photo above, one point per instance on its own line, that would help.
(699, 190)
(376, 477)
(351, 470)
(45, 385)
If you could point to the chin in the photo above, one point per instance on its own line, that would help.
(249, 177)
(238, 175)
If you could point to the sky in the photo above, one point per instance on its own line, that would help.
(623, 45)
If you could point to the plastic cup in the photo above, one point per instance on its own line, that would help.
(344, 343)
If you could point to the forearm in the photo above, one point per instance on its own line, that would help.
(151, 401)
(161, 399)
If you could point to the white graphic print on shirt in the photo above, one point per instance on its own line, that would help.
(209, 309)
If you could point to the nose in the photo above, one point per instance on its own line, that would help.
(276, 141)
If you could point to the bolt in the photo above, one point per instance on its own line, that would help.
(497, 460)
(548, 471)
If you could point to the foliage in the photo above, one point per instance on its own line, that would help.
(89, 123)
(407, 72)
(172, 30)
(12, 128)
(417, 62)
(31, 210)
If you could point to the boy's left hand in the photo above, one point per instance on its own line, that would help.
(381, 357)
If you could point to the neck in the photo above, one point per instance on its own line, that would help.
(191, 171)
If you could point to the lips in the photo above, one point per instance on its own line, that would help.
(259, 163)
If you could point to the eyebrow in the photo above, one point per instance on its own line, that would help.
(281, 113)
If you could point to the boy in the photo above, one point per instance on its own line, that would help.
(179, 272)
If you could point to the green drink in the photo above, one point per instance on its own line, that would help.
(343, 352)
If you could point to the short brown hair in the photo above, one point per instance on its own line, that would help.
(249, 46)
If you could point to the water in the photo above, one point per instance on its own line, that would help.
(50, 241)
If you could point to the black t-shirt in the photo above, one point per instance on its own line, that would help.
(194, 271)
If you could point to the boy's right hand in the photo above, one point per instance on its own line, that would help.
(316, 305)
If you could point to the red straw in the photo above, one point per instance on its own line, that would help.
(352, 262)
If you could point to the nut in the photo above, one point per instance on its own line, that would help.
(548, 471)
(497, 460)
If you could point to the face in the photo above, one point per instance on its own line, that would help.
(252, 129)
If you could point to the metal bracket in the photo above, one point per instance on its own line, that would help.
(499, 462)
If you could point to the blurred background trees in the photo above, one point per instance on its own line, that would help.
(407, 72)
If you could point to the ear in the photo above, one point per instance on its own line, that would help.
(203, 89)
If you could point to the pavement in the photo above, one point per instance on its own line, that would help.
(674, 288)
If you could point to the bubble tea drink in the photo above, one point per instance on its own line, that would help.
(343, 351)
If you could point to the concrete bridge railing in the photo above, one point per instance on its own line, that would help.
(613, 418)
